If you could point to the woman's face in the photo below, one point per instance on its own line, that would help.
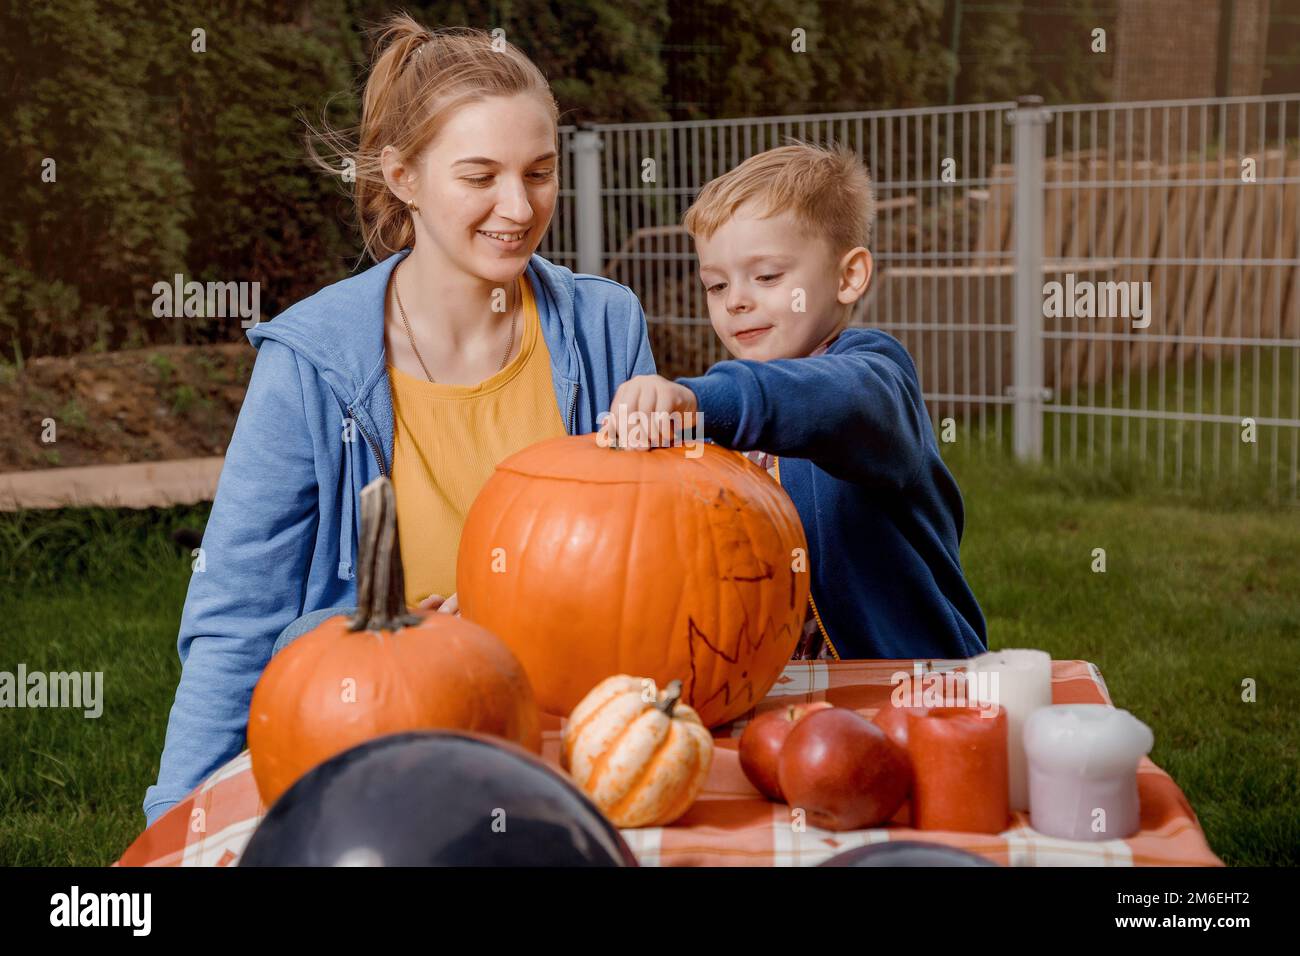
(486, 186)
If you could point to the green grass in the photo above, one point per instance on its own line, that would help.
(87, 590)
(1200, 591)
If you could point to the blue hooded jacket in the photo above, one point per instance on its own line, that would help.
(882, 513)
(316, 426)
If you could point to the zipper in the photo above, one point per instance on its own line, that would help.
(374, 449)
(573, 410)
(822, 627)
(811, 603)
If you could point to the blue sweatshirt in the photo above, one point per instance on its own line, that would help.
(881, 511)
(315, 428)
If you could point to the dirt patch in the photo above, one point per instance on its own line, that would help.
(153, 404)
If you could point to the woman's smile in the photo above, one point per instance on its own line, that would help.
(505, 241)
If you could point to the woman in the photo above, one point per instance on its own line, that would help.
(457, 349)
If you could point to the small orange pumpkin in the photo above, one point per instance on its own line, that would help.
(641, 756)
(589, 561)
(383, 671)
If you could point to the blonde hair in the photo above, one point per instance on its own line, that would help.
(417, 79)
(828, 189)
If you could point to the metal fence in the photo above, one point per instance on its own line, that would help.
(1084, 283)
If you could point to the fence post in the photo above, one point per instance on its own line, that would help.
(1029, 121)
(586, 185)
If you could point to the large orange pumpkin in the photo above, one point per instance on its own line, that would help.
(590, 561)
(383, 671)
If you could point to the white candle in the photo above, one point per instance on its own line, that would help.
(1083, 762)
(1021, 681)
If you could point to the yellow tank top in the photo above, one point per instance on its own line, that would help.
(447, 439)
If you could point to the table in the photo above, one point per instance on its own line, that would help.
(731, 824)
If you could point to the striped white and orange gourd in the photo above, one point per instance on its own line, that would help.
(640, 754)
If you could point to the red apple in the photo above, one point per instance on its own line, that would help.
(760, 744)
(843, 771)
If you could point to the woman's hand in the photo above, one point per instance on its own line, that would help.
(440, 604)
(647, 411)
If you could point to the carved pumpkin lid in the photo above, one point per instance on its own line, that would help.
(582, 458)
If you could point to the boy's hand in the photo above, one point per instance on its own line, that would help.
(648, 395)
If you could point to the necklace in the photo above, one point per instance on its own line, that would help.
(510, 343)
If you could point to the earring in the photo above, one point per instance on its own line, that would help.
(410, 204)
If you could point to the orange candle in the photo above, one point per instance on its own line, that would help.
(959, 757)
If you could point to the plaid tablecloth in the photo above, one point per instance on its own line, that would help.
(731, 824)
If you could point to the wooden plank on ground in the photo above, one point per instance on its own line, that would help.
(150, 484)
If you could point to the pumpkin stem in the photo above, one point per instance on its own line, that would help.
(672, 694)
(381, 584)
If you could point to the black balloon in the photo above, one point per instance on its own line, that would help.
(435, 799)
(906, 853)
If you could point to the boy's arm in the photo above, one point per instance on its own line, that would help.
(256, 551)
(857, 414)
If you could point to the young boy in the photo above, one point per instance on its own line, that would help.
(835, 414)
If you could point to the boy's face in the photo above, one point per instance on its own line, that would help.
(773, 290)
